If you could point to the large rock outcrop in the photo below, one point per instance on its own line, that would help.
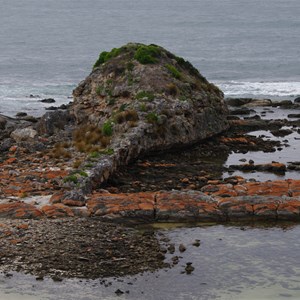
(146, 99)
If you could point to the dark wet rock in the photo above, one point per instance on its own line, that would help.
(56, 278)
(48, 100)
(241, 111)
(196, 243)
(295, 166)
(21, 114)
(171, 248)
(272, 167)
(282, 132)
(297, 100)
(3, 122)
(232, 118)
(259, 102)
(63, 106)
(52, 108)
(189, 268)
(250, 102)
(181, 248)
(294, 116)
(253, 124)
(237, 101)
(30, 119)
(284, 104)
(118, 292)
(256, 117)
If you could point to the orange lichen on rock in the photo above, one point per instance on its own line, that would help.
(268, 188)
(19, 210)
(124, 204)
(57, 211)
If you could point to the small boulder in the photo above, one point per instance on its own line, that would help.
(297, 100)
(52, 122)
(259, 102)
(21, 114)
(48, 100)
(2, 123)
(23, 134)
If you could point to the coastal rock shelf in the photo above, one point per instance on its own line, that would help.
(244, 201)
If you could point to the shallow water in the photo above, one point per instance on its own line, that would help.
(288, 153)
(232, 262)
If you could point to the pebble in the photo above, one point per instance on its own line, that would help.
(182, 248)
(196, 243)
(189, 268)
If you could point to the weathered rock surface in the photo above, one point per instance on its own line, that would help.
(24, 134)
(146, 99)
(237, 201)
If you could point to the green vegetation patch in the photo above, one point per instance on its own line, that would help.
(105, 56)
(107, 128)
(75, 176)
(147, 54)
(97, 154)
(175, 73)
(152, 117)
(145, 94)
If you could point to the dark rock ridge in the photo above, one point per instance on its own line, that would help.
(145, 99)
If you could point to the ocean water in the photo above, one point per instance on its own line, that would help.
(248, 48)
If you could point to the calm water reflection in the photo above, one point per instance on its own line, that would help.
(232, 262)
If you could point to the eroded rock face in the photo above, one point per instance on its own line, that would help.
(150, 100)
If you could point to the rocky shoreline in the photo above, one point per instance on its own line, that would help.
(36, 211)
(133, 149)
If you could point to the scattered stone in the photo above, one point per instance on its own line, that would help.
(171, 248)
(118, 292)
(182, 248)
(189, 268)
(196, 243)
(21, 114)
(259, 102)
(48, 100)
(56, 278)
(296, 116)
(282, 132)
(284, 104)
(272, 167)
(51, 108)
(241, 111)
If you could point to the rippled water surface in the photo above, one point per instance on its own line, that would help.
(232, 262)
(245, 47)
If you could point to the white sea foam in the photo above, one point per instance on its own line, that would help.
(260, 89)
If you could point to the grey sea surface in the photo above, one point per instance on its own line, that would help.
(247, 48)
(231, 263)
